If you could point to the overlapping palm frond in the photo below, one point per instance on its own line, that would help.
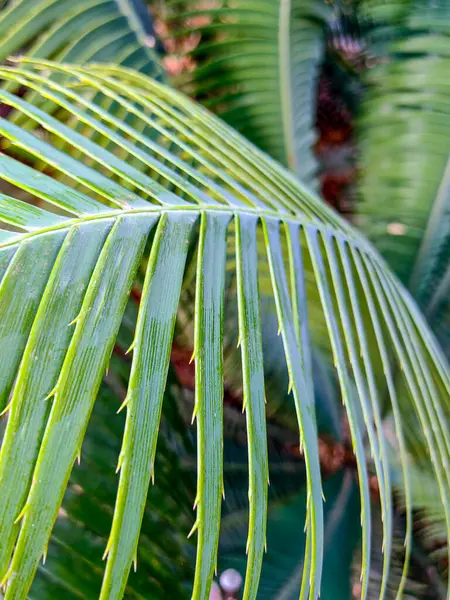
(67, 264)
(429, 565)
(405, 150)
(80, 31)
(257, 64)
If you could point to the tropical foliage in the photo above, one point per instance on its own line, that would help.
(130, 216)
(405, 152)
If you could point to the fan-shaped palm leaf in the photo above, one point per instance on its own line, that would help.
(66, 271)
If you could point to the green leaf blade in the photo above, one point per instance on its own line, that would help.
(209, 394)
(47, 188)
(254, 398)
(151, 356)
(396, 410)
(304, 403)
(344, 380)
(26, 216)
(367, 392)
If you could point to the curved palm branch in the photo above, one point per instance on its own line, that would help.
(257, 69)
(79, 31)
(67, 266)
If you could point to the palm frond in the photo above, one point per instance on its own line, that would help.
(68, 264)
(257, 64)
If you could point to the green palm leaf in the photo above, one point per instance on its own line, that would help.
(67, 266)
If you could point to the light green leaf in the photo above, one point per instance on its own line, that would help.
(254, 399)
(75, 391)
(33, 261)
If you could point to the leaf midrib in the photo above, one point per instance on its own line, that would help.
(285, 83)
(354, 241)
